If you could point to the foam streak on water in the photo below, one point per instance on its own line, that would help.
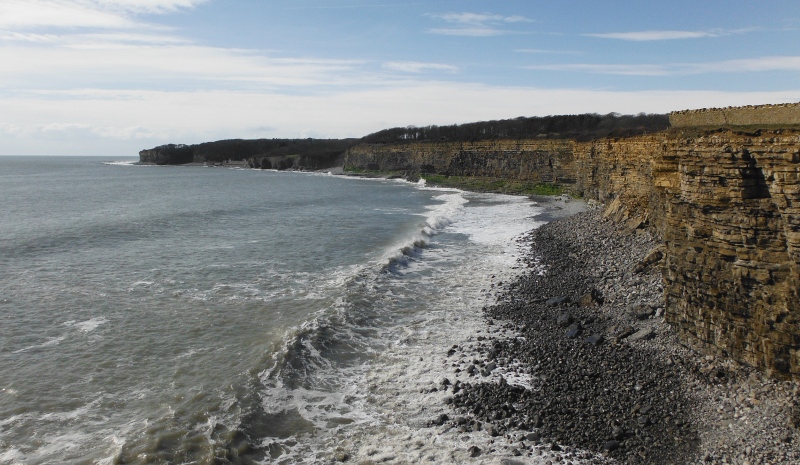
(188, 315)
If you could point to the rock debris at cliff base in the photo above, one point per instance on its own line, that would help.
(603, 373)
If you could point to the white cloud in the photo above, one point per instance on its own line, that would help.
(146, 6)
(98, 62)
(417, 67)
(25, 14)
(104, 14)
(517, 19)
(481, 18)
(125, 38)
(622, 70)
(78, 40)
(654, 35)
(774, 63)
(477, 24)
(543, 51)
(467, 31)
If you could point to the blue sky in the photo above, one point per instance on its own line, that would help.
(111, 77)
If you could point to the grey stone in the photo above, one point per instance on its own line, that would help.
(594, 339)
(641, 311)
(573, 331)
(611, 446)
(642, 334)
(564, 320)
(558, 300)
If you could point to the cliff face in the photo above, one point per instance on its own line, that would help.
(297, 162)
(732, 232)
(167, 155)
(727, 206)
(526, 160)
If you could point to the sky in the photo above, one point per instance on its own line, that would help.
(112, 77)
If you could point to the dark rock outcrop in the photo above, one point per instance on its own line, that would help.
(300, 154)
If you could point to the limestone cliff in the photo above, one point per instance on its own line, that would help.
(527, 160)
(732, 231)
(727, 205)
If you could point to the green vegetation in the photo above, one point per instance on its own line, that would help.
(373, 173)
(468, 183)
(354, 170)
(499, 185)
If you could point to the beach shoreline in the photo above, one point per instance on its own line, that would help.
(609, 380)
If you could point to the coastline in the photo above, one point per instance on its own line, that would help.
(632, 393)
(607, 379)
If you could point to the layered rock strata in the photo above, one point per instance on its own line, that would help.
(526, 160)
(732, 231)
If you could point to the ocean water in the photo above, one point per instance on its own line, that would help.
(210, 315)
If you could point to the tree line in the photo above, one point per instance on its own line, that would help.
(579, 127)
(243, 149)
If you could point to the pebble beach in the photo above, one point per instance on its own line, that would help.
(578, 365)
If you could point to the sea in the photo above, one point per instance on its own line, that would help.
(204, 315)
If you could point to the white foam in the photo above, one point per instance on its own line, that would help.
(12, 456)
(121, 163)
(72, 446)
(437, 218)
(385, 400)
(53, 341)
(382, 401)
(499, 224)
(69, 415)
(114, 452)
(88, 325)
